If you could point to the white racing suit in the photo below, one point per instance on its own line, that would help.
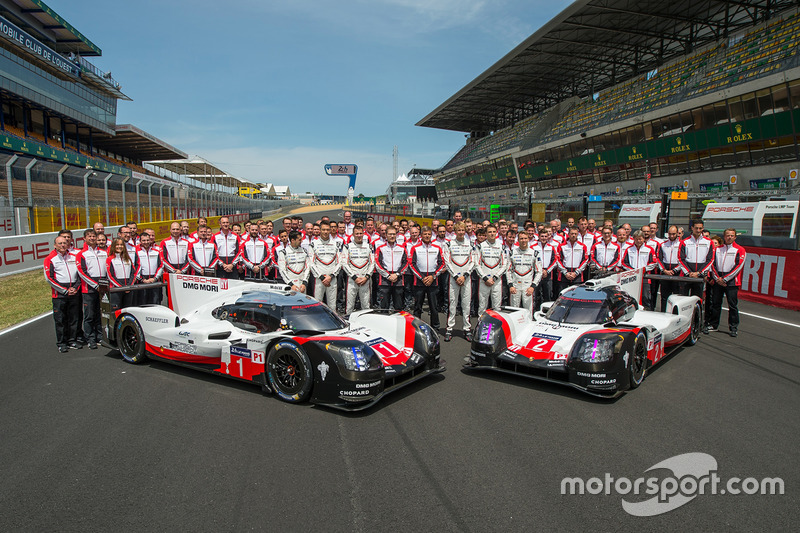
(293, 265)
(524, 272)
(459, 258)
(492, 262)
(326, 260)
(358, 260)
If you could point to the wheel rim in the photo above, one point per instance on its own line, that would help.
(287, 371)
(129, 340)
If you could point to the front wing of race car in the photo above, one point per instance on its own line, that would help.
(339, 385)
(606, 377)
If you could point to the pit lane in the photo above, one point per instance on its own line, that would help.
(92, 443)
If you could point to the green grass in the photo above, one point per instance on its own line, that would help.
(23, 296)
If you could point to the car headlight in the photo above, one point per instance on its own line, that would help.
(431, 337)
(487, 333)
(356, 358)
(594, 350)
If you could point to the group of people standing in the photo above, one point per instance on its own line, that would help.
(460, 267)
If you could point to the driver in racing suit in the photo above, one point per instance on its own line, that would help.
(459, 257)
(492, 263)
(358, 263)
(294, 263)
(524, 274)
(325, 265)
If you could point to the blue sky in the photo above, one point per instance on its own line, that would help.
(272, 91)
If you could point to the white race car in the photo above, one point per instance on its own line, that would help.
(287, 342)
(594, 337)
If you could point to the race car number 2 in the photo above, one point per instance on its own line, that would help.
(542, 344)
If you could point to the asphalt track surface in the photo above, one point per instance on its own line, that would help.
(92, 443)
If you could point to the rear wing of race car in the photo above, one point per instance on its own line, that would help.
(187, 292)
(633, 281)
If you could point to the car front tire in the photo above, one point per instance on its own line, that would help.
(694, 335)
(289, 372)
(638, 361)
(130, 340)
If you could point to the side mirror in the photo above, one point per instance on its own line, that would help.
(629, 312)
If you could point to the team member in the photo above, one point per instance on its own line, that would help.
(254, 254)
(547, 253)
(186, 232)
(203, 254)
(492, 263)
(408, 277)
(426, 263)
(150, 270)
(102, 241)
(669, 265)
(391, 260)
(122, 272)
(524, 274)
(696, 257)
(443, 281)
(727, 275)
(282, 243)
(201, 221)
(585, 236)
(175, 251)
(459, 256)
(606, 254)
(326, 262)
(228, 244)
(348, 223)
(61, 271)
(91, 264)
(572, 259)
(294, 264)
(639, 255)
(358, 264)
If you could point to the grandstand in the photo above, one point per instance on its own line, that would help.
(64, 157)
(696, 94)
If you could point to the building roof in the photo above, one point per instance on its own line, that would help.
(592, 45)
(201, 170)
(59, 34)
(282, 190)
(136, 144)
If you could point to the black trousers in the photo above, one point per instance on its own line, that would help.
(387, 291)
(120, 300)
(668, 288)
(66, 315)
(233, 274)
(148, 296)
(431, 291)
(91, 317)
(731, 293)
(443, 294)
(694, 289)
(544, 292)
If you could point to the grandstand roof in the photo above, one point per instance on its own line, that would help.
(63, 36)
(589, 46)
(201, 170)
(136, 144)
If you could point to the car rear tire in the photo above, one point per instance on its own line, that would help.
(638, 361)
(694, 334)
(130, 340)
(289, 372)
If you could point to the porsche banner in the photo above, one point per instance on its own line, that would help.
(772, 276)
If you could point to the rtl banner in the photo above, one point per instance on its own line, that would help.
(772, 276)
